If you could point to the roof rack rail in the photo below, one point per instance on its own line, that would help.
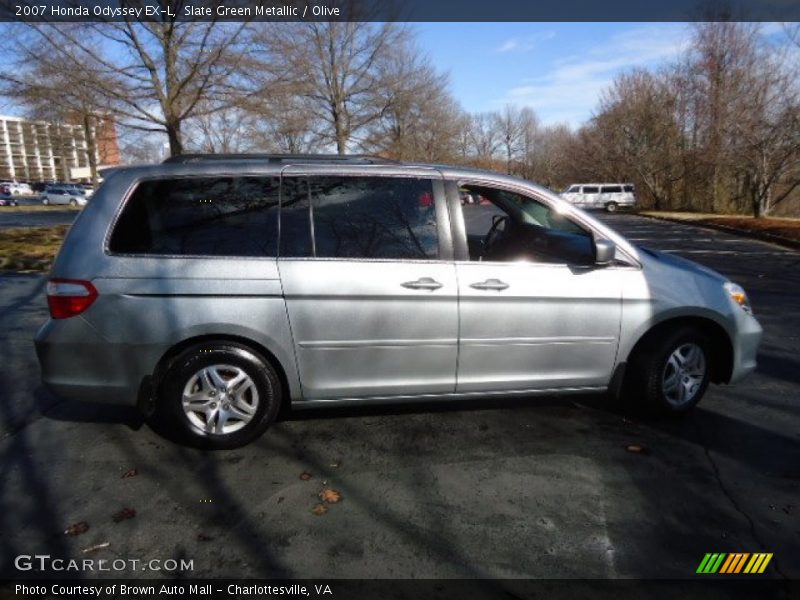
(281, 158)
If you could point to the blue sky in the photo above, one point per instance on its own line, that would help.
(558, 69)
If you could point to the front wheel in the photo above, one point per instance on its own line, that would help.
(670, 375)
(612, 207)
(218, 396)
(73, 203)
(45, 201)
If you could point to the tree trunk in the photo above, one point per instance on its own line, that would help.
(175, 140)
(90, 133)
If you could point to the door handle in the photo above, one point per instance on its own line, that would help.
(490, 284)
(423, 283)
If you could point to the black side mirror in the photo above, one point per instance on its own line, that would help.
(604, 252)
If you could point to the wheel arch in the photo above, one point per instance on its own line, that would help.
(720, 341)
(164, 363)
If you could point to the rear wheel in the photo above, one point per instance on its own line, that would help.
(73, 202)
(218, 396)
(671, 374)
(611, 207)
(45, 201)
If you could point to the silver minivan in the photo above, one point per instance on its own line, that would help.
(606, 196)
(212, 291)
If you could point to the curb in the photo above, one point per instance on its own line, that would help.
(757, 235)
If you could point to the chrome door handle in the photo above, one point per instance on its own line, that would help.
(490, 284)
(423, 283)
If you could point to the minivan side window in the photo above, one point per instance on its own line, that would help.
(612, 189)
(510, 227)
(590, 189)
(359, 217)
(628, 188)
(200, 216)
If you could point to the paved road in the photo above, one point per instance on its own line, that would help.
(36, 219)
(530, 488)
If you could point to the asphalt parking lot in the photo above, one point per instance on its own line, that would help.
(506, 489)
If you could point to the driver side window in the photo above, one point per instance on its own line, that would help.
(504, 226)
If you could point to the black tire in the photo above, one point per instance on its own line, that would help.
(647, 370)
(45, 202)
(611, 207)
(73, 203)
(169, 414)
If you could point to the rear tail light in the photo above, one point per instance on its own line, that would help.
(69, 297)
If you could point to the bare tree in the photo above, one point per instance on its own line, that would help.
(484, 137)
(420, 119)
(509, 126)
(152, 76)
(338, 67)
(640, 135)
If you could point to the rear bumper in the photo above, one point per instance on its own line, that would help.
(745, 347)
(77, 363)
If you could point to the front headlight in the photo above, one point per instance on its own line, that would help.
(739, 296)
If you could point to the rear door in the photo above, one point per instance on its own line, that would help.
(369, 281)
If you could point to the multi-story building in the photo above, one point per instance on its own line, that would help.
(40, 151)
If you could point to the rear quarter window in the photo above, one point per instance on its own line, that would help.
(612, 189)
(203, 216)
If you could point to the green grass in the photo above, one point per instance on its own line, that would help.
(30, 249)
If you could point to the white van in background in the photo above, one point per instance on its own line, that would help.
(608, 196)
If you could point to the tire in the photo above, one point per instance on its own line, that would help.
(221, 362)
(654, 382)
(45, 201)
(611, 207)
(73, 203)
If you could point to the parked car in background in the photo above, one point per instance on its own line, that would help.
(8, 201)
(62, 195)
(14, 188)
(608, 196)
(215, 290)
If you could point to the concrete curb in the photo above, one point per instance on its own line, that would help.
(757, 235)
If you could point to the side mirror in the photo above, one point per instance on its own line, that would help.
(604, 252)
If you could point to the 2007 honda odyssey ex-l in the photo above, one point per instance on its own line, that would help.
(215, 289)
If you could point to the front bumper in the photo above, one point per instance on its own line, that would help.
(745, 346)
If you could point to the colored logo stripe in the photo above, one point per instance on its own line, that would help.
(758, 563)
(734, 563)
(711, 562)
(721, 562)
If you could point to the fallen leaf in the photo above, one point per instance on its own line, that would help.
(95, 548)
(319, 509)
(202, 537)
(330, 496)
(123, 515)
(637, 449)
(130, 473)
(77, 528)
(305, 475)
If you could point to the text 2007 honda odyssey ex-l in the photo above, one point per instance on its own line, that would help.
(216, 289)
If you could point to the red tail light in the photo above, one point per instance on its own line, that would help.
(69, 297)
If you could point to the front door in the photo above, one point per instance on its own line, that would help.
(535, 312)
(370, 287)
